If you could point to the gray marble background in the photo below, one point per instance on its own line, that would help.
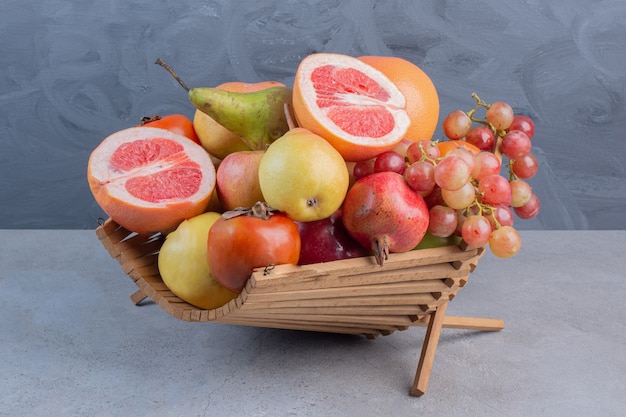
(72, 72)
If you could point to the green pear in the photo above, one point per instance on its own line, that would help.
(257, 117)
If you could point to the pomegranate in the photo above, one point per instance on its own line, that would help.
(382, 212)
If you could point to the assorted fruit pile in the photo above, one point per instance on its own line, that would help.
(342, 165)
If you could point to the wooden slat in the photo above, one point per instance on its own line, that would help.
(337, 319)
(419, 273)
(404, 287)
(307, 322)
(326, 328)
(136, 261)
(381, 310)
(371, 300)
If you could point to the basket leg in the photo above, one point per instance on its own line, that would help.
(466, 323)
(473, 323)
(429, 348)
(138, 296)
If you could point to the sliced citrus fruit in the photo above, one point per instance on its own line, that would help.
(349, 103)
(149, 179)
(422, 100)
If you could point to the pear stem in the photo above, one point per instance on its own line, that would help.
(169, 69)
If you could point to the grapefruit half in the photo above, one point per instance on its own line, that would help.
(149, 179)
(349, 103)
(422, 100)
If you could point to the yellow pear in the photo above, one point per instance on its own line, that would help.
(184, 267)
(302, 175)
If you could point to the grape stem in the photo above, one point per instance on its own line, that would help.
(425, 157)
(480, 103)
(483, 209)
(512, 175)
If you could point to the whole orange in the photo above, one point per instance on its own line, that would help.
(422, 100)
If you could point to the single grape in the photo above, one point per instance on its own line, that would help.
(465, 154)
(495, 190)
(485, 164)
(390, 161)
(530, 209)
(402, 146)
(500, 115)
(523, 123)
(476, 230)
(500, 215)
(516, 144)
(525, 167)
(505, 242)
(422, 148)
(482, 137)
(521, 192)
(460, 198)
(363, 168)
(452, 173)
(420, 176)
(461, 215)
(456, 125)
(442, 221)
(434, 197)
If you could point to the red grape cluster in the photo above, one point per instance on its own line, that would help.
(460, 178)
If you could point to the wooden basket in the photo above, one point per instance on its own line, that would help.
(353, 296)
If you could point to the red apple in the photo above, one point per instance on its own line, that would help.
(327, 240)
(237, 180)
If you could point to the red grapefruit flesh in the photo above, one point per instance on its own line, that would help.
(149, 179)
(351, 104)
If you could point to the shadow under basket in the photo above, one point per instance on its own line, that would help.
(352, 296)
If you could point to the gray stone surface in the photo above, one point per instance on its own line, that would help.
(73, 344)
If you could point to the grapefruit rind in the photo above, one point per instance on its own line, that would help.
(310, 115)
(108, 184)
